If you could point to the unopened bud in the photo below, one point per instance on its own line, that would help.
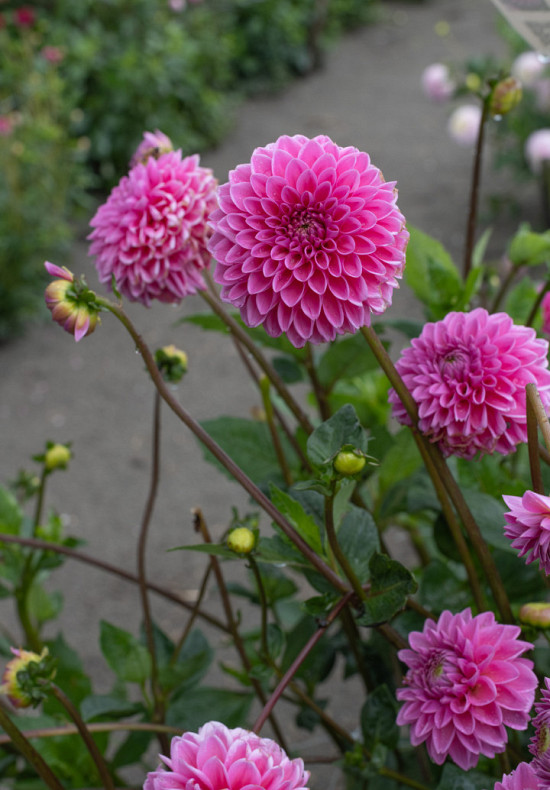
(537, 614)
(505, 96)
(172, 363)
(473, 82)
(349, 462)
(26, 677)
(71, 302)
(57, 457)
(241, 540)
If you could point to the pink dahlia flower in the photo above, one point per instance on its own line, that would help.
(308, 239)
(528, 527)
(217, 758)
(437, 82)
(151, 234)
(537, 150)
(540, 742)
(523, 778)
(467, 373)
(466, 682)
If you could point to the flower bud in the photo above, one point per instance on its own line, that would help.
(536, 614)
(172, 363)
(57, 457)
(463, 125)
(71, 302)
(505, 96)
(26, 676)
(528, 68)
(153, 144)
(241, 540)
(349, 462)
(537, 150)
(473, 82)
(437, 82)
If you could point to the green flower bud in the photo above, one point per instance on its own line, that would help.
(172, 363)
(505, 97)
(241, 540)
(57, 457)
(349, 462)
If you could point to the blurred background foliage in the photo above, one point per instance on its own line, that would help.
(81, 81)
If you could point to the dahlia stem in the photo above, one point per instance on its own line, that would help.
(91, 745)
(105, 726)
(448, 481)
(337, 551)
(454, 526)
(22, 744)
(226, 461)
(505, 284)
(320, 395)
(535, 402)
(275, 438)
(156, 691)
(202, 527)
(113, 569)
(263, 607)
(236, 330)
(474, 192)
(298, 661)
(536, 304)
(194, 615)
(533, 445)
(40, 500)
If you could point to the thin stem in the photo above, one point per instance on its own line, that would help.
(537, 303)
(19, 740)
(263, 606)
(226, 461)
(533, 445)
(320, 395)
(39, 500)
(275, 438)
(354, 640)
(194, 615)
(91, 745)
(454, 492)
(202, 527)
(505, 284)
(474, 192)
(300, 658)
(104, 726)
(236, 330)
(156, 691)
(113, 569)
(453, 524)
(337, 551)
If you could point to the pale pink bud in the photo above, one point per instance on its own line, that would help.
(537, 149)
(437, 83)
(527, 68)
(463, 125)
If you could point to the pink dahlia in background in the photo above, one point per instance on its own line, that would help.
(152, 232)
(465, 684)
(463, 124)
(540, 742)
(467, 373)
(523, 778)
(217, 758)
(528, 527)
(308, 239)
(153, 144)
(537, 150)
(545, 309)
(437, 82)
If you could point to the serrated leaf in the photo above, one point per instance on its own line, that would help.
(489, 515)
(343, 428)
(431, 273)
(192, 708)
(279, 551)
(378, 717)
(391, 584)
(97, 705)
(132, 749)
(358, 539)
(44, 606)
(288, 369)
(302, 523)
(215, 549)
(126, 656)
(11, 515)
(453, 778)
(345, 359)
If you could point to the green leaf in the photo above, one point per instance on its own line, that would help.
(11, 515)
(345, 359)
(528, 248)
(406, 326)
(207, 321)
(319, 662)
(453, 778)
(520, 300)
(128, 659)
(280, 551)
(97, 705)
(275, 640)
(343, 428)
(391, 584)
(401, 460)
(193, 663)
(190, 709)
(378, 719)
(70, 674)
(214, 549)
(358, 539)
(288, 369)
(489, 515)
(249, 444)
(302, 523)
(42, 605)
(132, 749)
(441, 589)
(431, 273)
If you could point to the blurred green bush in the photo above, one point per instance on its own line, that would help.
(81, 81)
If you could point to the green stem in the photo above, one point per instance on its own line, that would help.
(91, 745)
(194, 615)
(337, 551)
(156, 691)
(448, 481)
(28, 751)
(275, 438)
(39, 500)
(226, 461)
(533, 440)
(113, 569)
(320, 395)
(506, 282)
(474, 192)
(263, 606)
(236, 330)
(105, 726)
(32, 637)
